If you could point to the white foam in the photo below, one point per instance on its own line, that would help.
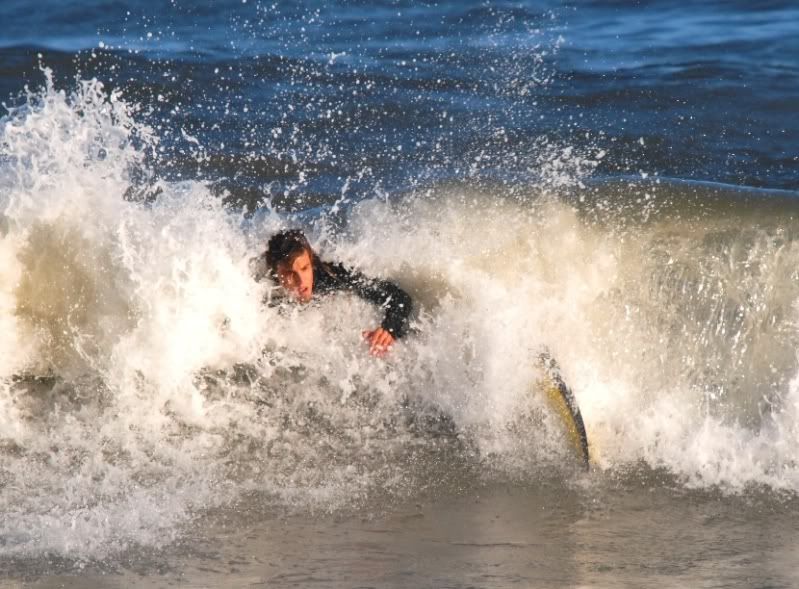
(143, 380)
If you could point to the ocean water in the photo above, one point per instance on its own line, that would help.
(615, 183)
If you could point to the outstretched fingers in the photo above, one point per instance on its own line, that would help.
(379, 341)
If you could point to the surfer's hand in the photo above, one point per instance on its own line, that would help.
(379, 341)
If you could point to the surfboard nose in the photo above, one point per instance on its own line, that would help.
(562, 401)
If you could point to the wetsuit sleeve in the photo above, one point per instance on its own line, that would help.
(395, 302)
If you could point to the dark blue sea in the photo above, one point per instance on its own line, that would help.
(613, 183)
(397, 93)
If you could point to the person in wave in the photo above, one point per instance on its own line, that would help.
(292, 263)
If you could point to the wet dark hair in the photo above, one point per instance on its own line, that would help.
(284, 247)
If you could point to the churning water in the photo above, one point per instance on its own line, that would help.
(593, 180)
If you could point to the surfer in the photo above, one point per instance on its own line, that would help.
(292, 263)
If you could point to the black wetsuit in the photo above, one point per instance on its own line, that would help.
(396, 302)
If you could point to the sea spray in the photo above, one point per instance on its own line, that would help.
(99, 285)
(147, 377)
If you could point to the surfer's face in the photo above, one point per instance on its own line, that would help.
(296, 277)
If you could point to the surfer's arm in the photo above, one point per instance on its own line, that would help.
(395, 302)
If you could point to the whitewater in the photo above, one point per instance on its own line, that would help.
(612, 185)
(146, 379)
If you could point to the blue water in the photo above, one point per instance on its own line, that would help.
(397, 93)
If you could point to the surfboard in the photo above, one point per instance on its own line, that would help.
(563, 403)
